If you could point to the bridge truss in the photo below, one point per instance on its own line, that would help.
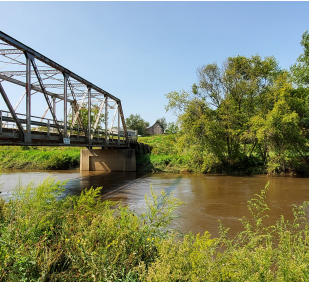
(77, 112)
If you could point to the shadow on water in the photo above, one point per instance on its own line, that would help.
(77, 181)
(173, 185)
(207, 198)
(111, 182)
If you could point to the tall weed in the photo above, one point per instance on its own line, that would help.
(79, 238)
(259, 253)
(44, 237)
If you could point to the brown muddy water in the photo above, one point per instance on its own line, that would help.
(207, 198)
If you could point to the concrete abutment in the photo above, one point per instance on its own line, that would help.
(116, 159)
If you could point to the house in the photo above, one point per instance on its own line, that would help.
(155, 129)
(132, 133)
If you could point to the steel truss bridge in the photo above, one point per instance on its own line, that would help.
(76, 112)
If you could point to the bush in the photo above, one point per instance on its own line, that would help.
(259, 253)
(77, 238)
(45, 237)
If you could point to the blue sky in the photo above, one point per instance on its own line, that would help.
(139, 51)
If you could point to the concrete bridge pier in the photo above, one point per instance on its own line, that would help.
(114, 159)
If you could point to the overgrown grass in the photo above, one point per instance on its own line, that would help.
(169, 154)
(24, 157)
(80, 238)
(164, 156)
(259, 253)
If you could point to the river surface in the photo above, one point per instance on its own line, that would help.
(207, 198)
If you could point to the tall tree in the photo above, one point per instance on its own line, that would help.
(135, 122)
(247, 107)
(300, 70)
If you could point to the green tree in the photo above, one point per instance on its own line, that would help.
(94, 113)
(244, 112)
(172, 128)
(300, 70)
(279, 133)
(224, 102)
(135, 122)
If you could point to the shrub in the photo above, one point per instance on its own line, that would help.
(259, 253)
(45, 237)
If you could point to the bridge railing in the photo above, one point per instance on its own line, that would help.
(45, 125)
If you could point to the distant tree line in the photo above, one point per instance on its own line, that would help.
(136, 122)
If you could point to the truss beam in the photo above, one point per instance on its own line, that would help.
(10, 52)
(33, 87)
(22, 73)
(62, 85)
(8, 103)
(13, 42)
(32, 59)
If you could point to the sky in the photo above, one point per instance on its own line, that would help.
(139, 51)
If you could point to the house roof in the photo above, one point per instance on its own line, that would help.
(154, 125)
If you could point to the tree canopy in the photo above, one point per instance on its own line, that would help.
(247, 111)
(135, 122)
(300, 70)
(94, 113)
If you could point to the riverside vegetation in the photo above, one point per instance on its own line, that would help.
(47, 237)
(24, 157)
(247, 116)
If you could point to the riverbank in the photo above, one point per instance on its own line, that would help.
(169, 154)
(80, 237)
(165, 157)
(40, 158)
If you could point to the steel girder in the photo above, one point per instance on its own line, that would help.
(10, 52)
(23, 73)
(56, 69)
(33, 87)
(13, 42)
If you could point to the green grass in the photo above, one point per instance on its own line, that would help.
(168, 155)
(81, 238)
(25, 157)
(164, 156)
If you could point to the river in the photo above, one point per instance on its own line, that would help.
(207, 198)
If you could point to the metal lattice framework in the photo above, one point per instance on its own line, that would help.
(84, 106)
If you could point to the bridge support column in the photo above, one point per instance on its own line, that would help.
(107, 160)
(27, 137)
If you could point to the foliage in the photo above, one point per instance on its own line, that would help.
(259, 253)
(172, 128)
(164, 155)
(246, 110)
(95, 109)
(177, 101)
(46, 237)
(300, 70)
(78, 238)
(135, 122)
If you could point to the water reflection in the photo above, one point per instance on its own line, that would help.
(208, 198)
